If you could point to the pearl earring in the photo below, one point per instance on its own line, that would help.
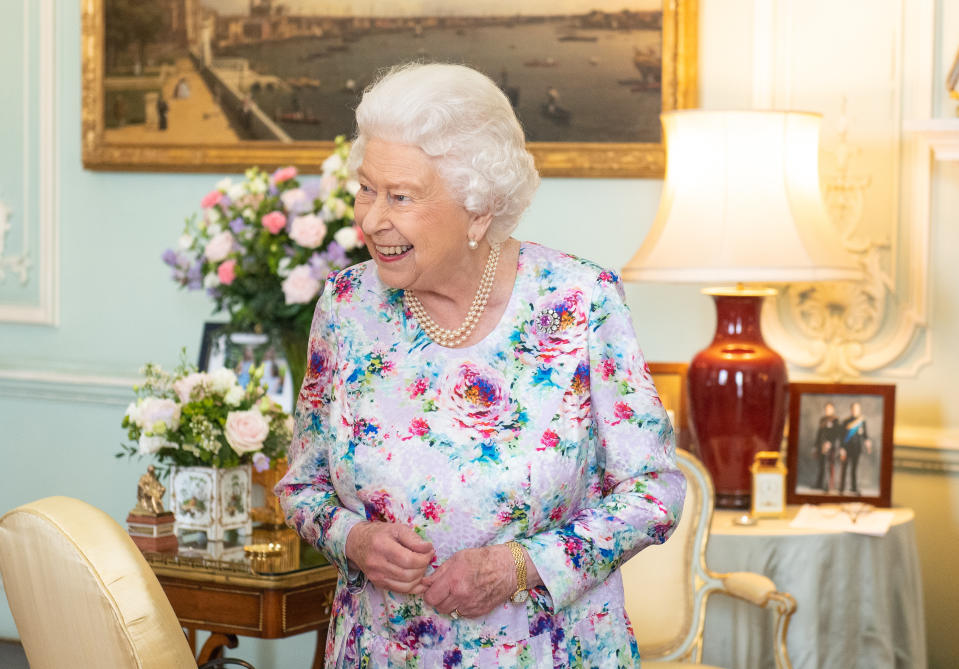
(473, 244)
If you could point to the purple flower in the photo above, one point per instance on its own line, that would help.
(225, 202)
(214, 293)
(194, 276)
(238, 225)
(273, 190)
(260, 462)
(170, 257)
(312, 190)
(319, 267)
(335, 255)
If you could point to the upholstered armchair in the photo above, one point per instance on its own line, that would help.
(82, 595)
(667, 586)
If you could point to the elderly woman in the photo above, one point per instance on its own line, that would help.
(478, 443)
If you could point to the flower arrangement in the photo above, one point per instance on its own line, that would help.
(262, 249)
(189, 418)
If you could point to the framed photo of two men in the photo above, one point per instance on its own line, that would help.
(840, 443)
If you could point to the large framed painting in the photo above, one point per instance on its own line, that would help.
(220, 85)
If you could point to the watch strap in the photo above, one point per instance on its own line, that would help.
(519, 560)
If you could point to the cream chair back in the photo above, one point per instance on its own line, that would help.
(81, 593)
(667, 585)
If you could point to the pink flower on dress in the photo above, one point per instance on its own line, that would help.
(418, 387)
(226, 272)
(622, 411)
(477, 398)
(378, 505)
(211, 199)
(419, 427)
(274, 221)
(549, 440)
(431, 510)
(608, 368)
(284, 174)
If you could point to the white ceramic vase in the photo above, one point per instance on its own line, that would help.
(212, 500)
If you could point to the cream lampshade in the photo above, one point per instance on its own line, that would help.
(741, 204)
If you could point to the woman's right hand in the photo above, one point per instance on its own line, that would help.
(392, 556)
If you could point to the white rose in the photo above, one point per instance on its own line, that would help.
(223, 185)
(236, 191)
(215, 218)
(223, 380)
(353, 187)
(132, 412)
(156, 414)
(219, 247)
(185, 242)
(347, 238)
(308, 231)
(211, 280)
(283, 267)
(184, 387)
(148, 445)
(333, 163)
(234, 396)
(246, 431)
(248, 213)
(300, 286)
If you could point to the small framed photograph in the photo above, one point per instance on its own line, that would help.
(241, 351)
(840, 443)
(670, 380)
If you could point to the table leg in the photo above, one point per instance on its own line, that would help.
(213, 648)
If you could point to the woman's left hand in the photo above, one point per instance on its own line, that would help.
(473, 581)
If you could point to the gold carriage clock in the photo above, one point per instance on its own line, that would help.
(769, 485)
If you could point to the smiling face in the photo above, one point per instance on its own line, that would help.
(415, 230)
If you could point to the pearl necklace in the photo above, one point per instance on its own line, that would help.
(451, 338)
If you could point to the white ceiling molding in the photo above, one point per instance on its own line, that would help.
(879, 326)
(45, 310)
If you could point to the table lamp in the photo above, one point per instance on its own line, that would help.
(740, 205)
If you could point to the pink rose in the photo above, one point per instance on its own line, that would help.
(246, 431)
(227, 272)
(219, 246)
(296, 201)
(284, 174)
(184, 387)
(308, 231)
(300, 287)
(211, 199)
(477, 398)
(274, 221)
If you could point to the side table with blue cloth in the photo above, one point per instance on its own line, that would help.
(859, 597)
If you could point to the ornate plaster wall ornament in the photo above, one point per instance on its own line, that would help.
(837, 329)
(18, 265)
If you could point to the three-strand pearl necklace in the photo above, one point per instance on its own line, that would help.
(450, 338)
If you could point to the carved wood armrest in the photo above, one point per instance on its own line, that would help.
(761, 591)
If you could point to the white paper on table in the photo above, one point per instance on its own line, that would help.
(812, 517)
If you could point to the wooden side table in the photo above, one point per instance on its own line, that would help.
(226, 598)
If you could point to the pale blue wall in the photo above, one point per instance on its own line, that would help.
(118, 308)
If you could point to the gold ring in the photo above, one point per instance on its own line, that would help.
(454, 614)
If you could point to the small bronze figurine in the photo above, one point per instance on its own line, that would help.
(149, 494)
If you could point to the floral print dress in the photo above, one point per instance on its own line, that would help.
(548, 431)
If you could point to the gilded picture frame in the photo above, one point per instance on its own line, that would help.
(670, 381)
(676, 80)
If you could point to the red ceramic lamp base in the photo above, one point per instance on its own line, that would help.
(737, 393)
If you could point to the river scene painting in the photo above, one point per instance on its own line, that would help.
(180, 72)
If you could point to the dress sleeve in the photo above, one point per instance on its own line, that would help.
(641, 490)
(306, 493)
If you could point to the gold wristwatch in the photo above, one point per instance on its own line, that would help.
(519, 559)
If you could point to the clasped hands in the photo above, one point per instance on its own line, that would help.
(472, 582)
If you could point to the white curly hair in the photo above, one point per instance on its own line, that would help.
(461, 119)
